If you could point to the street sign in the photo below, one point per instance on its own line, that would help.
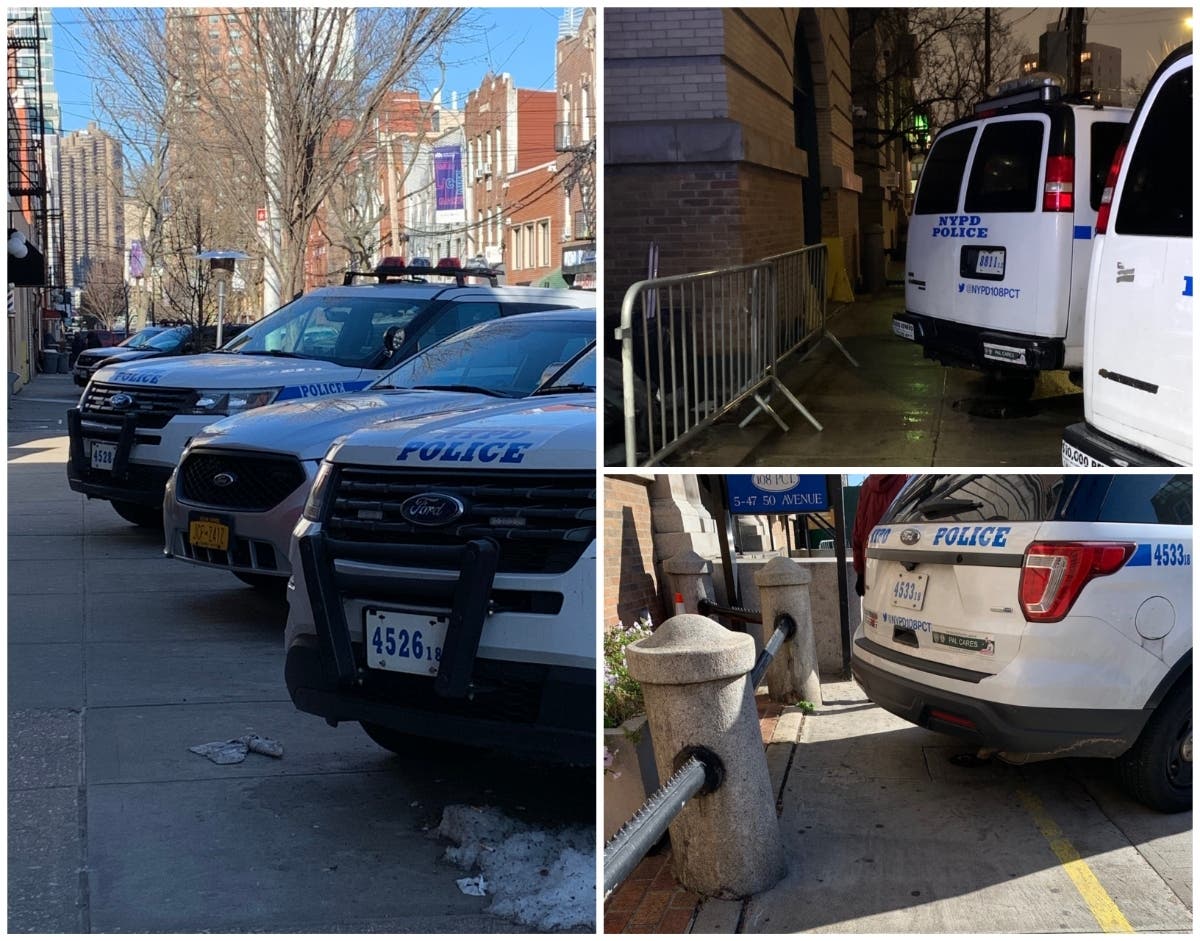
(756, 494)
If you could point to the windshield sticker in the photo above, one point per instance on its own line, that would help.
(311, 390)
(994, 536)
(135, 377)
(988, 290)
(902, 623)
(960, 227)
(485, 448)
(983, 645)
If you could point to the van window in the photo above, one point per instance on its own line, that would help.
(1157, 198)
(1106, 135)
(942, 177)
(1004, 176)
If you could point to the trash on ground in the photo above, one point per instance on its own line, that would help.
(476, 885)
(235, 750)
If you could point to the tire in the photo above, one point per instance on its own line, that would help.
(1157, 770)
(151, 517)
(273, 584)
(406, 745)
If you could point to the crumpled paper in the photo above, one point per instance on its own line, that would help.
(235, 750)
(475, 885)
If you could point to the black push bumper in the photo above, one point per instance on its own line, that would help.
(143, 484)
(956, 344)
(1084, 445)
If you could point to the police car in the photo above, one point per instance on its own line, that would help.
(1138, 391)
(1039, 617)
(238, 491)
(133, 421)
(1000, 236)
(444, 581)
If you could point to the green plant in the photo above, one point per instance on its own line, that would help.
(622, 694)
(804, 706)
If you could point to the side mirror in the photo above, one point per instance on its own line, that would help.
(393, 339)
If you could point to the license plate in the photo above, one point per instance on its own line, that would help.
(103, 455)
(404, 642)
(909, 590)
(990, 262)
(1004, 354)
(209, 533)
(903, 328)
(1073, 457)
(983, 645)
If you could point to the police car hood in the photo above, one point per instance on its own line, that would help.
(101, 352)
(541, 432)
(306, 428)
(296, 378)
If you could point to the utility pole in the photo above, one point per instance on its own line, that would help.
(1075, 39)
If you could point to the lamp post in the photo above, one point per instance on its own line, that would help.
(221, 262)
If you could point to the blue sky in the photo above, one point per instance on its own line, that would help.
(520, 41)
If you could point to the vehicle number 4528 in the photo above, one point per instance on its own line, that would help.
(400, 643)
(1171, 553)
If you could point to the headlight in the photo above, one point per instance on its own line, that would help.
(231, 401)
(316, 496)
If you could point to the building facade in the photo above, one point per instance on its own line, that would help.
(93, 202)
(575, 142)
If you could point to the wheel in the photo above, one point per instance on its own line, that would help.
(406, 745)
(1017, 385)
(140, 515)
(274, 584)
(1157, 770)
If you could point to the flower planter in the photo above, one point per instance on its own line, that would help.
(631, 777)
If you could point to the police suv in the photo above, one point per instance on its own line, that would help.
(1000, 236)
(133, 421)
(444, 581)
(1039, 617)
(1138, 390)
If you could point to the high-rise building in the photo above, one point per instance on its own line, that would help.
(34, 65)
(93, 205)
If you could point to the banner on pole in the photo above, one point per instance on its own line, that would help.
(448, 182)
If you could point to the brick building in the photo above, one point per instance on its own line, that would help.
(575, 141)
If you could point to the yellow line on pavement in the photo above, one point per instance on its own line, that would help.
(1102, 907)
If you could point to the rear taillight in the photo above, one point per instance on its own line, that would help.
(1054, 573)
(1059, 194)
(1110, 187)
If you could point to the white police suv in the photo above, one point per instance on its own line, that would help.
(1039, 617)
(1000, 236)
(132, 422)
(238, 491)
(1138, 386)
(444, 581)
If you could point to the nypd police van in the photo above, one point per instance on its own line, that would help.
(443, 581)
(1039, 617)
(1138, 388)
(133, 421)
(1000, 236)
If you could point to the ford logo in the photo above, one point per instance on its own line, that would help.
(224, 479)
(431, 509)
(120, 400)
(910, 537)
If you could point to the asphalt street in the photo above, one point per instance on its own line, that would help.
(119, 660)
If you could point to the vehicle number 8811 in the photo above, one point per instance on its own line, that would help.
(400, 643)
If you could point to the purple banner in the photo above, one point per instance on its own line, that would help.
(448, 183)
(137, 261)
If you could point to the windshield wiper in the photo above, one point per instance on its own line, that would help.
(565, 387)
(464, 388)
(934, 508)
(270, 353)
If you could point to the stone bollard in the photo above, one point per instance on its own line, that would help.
(694, 676)
(689, 574)
(783, 587)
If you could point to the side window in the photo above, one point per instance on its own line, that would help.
(1106, 135)
(1157, 196)
(529, 307)
(942, 177)
(1004, 176)
(1136, 498)
(457, 317)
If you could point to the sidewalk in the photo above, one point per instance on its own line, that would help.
(40, 407)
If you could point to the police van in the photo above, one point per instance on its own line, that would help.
(1039, 617)
(133, 421)
(1138, 389)
(444, 585)
(1000, 236)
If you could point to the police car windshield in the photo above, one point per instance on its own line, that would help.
(347, 329)
(579, 376)
(166, 341)
(506, 357)
(143, 339)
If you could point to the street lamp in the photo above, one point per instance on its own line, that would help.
(221, 262)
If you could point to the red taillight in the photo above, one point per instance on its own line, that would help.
(1059, 194)
(390, 263)
(1110, 188)
(951, 718)
(1054, 573)
(449, 263)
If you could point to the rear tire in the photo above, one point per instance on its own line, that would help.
(272, 584)
(1157, 770)
(151, 517)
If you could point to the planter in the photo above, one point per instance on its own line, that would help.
(632, 776)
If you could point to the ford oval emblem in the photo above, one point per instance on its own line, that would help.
(910, 537)
(224, 479)
(431, 509)
(120, 400)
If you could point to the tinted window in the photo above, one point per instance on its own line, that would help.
(1129, 498)
(941, 179)
(1106, 135)
(457, 317)
(1004, 176)
(1157, 198)
(974, 498)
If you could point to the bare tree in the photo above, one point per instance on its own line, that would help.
(104, 293)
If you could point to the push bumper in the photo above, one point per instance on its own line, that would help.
(1084, 446)
(955, 344)
(143, 484)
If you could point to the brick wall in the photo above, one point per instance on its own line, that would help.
(630, 579)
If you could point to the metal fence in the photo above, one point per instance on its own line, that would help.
(695, 346)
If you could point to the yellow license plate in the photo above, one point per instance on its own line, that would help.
(209, 534)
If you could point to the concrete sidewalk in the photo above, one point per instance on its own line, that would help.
(884, 831)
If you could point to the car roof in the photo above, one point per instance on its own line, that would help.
(431, 289)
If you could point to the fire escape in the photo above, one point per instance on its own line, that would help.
(579, 248)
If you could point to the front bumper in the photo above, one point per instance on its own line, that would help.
(1084, 446)
(127, 481)
(956, 344)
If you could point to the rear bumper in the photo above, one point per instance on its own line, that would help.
(956, 344)
(1024, 732)
(1084, 446)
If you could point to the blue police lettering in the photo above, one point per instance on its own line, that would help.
(879, 535)
(993, 536)
(516, 452)
(134, 377)
(431, 450)
(462, 451)
(960, 227)
(322, 388)
(1187, 285)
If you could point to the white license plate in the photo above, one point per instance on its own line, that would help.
(909, 590)
(1004, 354)
(404, 642)
(1073, 457)
(904, 329)
(990, 262)
(103, 455)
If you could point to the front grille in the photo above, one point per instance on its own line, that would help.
(542, 523)
(242, 553)
(258, 481)
(153, 407)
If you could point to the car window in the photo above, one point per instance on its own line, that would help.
(1106, 135)
(941, 179)
(1004, 174)
(1128, 498)
(1157, 196)
(166, 341)
(141, 339)
(457, 317)
(973, 498)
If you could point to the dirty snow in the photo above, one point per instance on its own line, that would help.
(545, 879)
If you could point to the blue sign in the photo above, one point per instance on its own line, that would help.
(755, 494)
